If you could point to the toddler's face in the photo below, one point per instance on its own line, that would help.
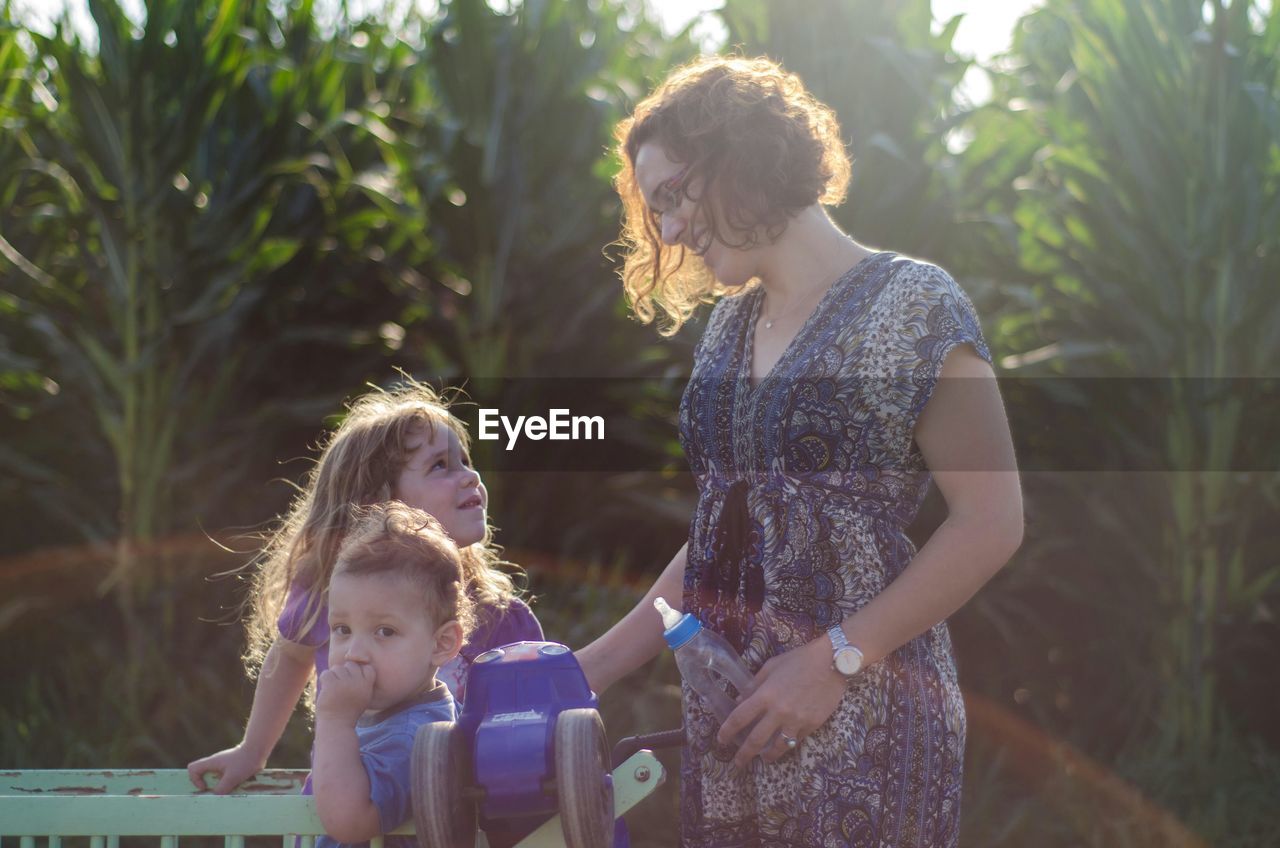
(379, 620)
(439, 480)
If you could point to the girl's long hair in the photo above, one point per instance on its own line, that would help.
(358, 464)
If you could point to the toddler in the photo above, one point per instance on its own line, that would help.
(397, 613)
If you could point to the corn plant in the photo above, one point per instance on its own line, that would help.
(524, 99)
(526, 140)
(892, 82)
(160, 187)
(1148, 223)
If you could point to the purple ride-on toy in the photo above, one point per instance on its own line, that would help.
(528, 744)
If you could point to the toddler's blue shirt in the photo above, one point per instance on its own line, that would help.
(386, 748)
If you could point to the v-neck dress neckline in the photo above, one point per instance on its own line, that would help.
(811, 322)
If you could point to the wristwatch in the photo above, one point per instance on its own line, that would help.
(845, 658)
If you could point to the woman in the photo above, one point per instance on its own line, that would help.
(821, 399)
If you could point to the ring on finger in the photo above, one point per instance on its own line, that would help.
(790, 741)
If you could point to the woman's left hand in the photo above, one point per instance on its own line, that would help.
(795, 693)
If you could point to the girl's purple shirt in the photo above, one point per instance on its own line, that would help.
(494, 628)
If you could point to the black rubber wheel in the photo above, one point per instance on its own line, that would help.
(582, 764)
(440, 773)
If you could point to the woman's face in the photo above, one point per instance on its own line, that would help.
(666, 186)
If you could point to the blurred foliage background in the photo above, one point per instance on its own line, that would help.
(220, 221)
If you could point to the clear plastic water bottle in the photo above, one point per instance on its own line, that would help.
(707, 662)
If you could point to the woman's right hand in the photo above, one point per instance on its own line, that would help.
(233, 767)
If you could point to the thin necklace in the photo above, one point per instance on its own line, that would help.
(768, 322)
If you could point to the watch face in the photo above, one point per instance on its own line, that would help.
(848, 662)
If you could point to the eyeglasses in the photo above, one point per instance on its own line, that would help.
(672, 191)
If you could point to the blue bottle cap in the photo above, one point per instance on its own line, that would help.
(685, 629)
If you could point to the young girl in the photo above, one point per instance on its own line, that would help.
(402, 444)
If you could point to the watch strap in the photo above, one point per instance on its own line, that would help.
(838, 639)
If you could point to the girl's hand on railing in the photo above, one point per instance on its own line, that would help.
(232, 766)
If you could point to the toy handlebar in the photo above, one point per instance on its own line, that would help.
(631, 744)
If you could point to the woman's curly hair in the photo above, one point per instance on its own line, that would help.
(760, 145)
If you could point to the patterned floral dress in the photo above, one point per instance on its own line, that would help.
(806, 484)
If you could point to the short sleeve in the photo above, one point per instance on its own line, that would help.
(519, 624)
(496, 627)
(297, 623)
(388, 762)
(934, 316)
(516, 623)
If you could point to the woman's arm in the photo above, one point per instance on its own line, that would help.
(964, 436)
(285, 672)
(637, 638)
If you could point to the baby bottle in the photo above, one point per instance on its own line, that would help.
(707, 662)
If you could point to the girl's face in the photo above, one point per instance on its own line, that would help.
(666, 187)
(438, 479)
